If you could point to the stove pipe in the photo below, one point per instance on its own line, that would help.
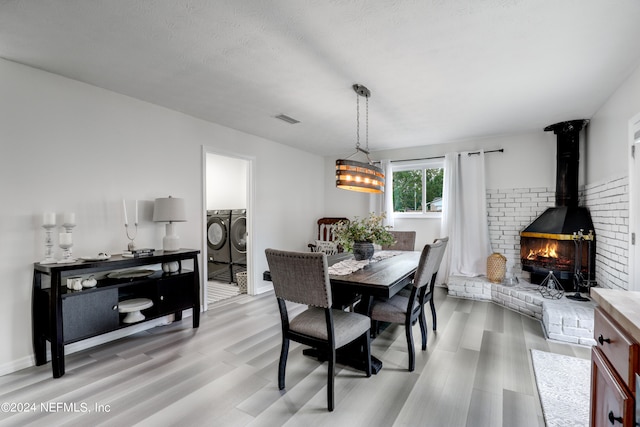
(567, 160)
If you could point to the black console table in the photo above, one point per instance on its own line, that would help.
(62, 316)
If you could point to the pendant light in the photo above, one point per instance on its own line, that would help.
(354, 175)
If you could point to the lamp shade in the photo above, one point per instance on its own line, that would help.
(169, 209)
(359, 176)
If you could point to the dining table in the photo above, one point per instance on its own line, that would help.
(378, 278)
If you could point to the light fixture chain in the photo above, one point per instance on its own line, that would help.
(367, 122)
(357, 121)
(357, 175)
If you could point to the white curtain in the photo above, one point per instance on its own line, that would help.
(380, 203)
(387, 196)
(464, 216)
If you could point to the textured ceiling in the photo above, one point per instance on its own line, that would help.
(438, 70)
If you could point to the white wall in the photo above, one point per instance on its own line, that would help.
(68, 146)
(226, 182)
(607, 145)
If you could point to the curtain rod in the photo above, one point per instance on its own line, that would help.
(499, 150)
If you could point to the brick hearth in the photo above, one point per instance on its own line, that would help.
(562, 319)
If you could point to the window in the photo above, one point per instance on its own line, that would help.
(417, 188)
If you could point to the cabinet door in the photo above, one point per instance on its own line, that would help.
(611, 401)
(175, 293)
(620, 350)
(87, 314)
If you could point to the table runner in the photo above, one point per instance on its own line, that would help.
(348, 266)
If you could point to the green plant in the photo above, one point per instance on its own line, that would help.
(369, 229)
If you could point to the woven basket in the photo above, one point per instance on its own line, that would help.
(241, 280)
(496, 267)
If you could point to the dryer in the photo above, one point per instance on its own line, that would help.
(218, 232)
(238, 236)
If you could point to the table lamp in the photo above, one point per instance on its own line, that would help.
(170, 210)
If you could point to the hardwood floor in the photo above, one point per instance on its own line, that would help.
(476, 372)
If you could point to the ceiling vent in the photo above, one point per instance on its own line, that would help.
(287, 119)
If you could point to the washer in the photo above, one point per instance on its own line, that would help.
(218, 229)
(238, 239)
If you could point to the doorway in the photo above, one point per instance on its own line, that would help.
(634, 203)
(226, 230)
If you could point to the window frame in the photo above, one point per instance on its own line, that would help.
(401, 166)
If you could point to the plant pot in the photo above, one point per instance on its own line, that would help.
(362, 250)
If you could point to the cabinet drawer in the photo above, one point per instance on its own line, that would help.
(617, 347)
(611, 402)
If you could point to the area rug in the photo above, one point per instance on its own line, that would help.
(563, 386)
(220, 291)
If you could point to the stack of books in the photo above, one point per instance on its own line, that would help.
(135, 253)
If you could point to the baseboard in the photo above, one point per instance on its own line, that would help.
(268, 286)
(29, 361)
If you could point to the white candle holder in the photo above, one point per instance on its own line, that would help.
(132, 244)
(68, 227)
(48, 244)
(66, 243)
(66, 239)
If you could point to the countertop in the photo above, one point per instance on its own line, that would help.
(622, 306)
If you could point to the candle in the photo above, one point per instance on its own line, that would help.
(124, 206)
(69, 218)
(65, 239)
(49, 218)
(136, 212)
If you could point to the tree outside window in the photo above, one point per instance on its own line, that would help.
(418, 190)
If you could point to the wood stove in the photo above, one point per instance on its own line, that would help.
(562, 240)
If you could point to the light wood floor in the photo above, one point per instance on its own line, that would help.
(476, 372)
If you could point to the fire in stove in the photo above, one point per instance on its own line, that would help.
(549, 251)
(543, 255)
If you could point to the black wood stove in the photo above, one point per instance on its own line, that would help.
(561, 241)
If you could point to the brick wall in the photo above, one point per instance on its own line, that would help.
(608, 203)
(511, 210)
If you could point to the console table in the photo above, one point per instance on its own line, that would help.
(62, 316)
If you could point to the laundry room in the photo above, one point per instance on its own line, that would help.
(226, 230)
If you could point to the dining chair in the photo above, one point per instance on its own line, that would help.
(303, 278)
(326, 239)
(429, 294)
(408, 310)
(405, 241)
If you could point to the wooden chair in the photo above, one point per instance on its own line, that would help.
(408, 310)
(405, 241)
(303, 278)
(326, 239)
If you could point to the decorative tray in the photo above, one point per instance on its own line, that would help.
(130, 274)
(100, 257)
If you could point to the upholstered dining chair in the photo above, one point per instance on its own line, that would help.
(405, 241)
(408, 310)
(429, 292)
(303, 278)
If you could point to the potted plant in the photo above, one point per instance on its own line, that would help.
(359, 236)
